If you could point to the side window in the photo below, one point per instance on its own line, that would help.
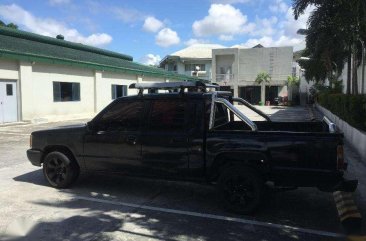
(123, 116)
(221, 114)
(167, 115)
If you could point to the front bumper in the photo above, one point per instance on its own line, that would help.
(35, 157)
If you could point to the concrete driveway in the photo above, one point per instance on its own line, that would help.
(123, 208)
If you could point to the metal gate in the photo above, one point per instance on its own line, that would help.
(8, 101)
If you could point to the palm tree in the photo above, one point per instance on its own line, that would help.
(292, 83)
(261, 79)
(335, 32)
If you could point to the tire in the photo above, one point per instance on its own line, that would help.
(59, 170)
(240, 189)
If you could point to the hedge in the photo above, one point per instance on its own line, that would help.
(350, 108)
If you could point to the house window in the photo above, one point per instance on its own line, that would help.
(192, 67)
(119, 91)
(65, 91)
(172, 67)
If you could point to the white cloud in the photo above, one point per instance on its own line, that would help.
(49, 26)
(58, 2)
(222, 20)
(151, 59)
(224, 37)
(230, 1)
(279, 6)
(267, 41)
(272, 33)
(290, 25)
(193, 41)
(265, 26)
(167, 37)
(152, 24)
(128, 15)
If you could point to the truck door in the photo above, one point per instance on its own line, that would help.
(165, 138)
(113, 141)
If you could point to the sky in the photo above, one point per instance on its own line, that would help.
(148, 30)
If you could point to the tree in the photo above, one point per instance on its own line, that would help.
(334, 35)
(9, 25)
(293, 81)
(263, 78)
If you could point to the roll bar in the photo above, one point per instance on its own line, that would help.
(231, 107)
(247, 104)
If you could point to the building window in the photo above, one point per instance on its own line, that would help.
(9, 89)
(119, 91)
(172, 67)
(192, 67)
(65, 91)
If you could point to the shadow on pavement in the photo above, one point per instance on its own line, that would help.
(299, 208)
(34, 177)
(104, 222)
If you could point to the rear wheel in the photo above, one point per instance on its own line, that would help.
(240, 189)
(59, 170)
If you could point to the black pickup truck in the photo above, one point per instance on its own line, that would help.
(191, 131)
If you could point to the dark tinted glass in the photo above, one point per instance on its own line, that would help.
(167, 115)
(122, 116)
(221, 114)
(9, 89)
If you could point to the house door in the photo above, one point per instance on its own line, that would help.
(8, 102)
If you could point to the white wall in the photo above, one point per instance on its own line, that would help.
(44, 107)
(35, 89)
(9, 69)
(343, 77)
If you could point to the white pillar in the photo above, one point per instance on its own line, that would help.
(263, 94)
(236, 90)
(26, 91)
(98, 81)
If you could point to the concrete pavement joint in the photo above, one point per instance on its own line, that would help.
(212, 216)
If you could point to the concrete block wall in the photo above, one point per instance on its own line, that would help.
(352, 135)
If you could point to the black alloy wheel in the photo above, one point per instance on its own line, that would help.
(59, 170)
(240, 189)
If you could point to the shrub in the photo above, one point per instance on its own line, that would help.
(350, 108)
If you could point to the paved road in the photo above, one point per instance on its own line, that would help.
(123, 208)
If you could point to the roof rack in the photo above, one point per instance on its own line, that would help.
(197, 86)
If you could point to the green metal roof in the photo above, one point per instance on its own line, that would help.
(27, 46)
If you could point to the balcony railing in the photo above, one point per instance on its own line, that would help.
(224, 78)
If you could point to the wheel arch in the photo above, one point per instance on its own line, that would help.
(63, 149)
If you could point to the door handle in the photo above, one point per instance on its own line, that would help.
(132, 140)
(100, 132)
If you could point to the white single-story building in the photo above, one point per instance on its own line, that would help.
(49, 79)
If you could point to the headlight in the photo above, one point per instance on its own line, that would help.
(30, 141)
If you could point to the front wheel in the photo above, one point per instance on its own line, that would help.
(59, 170)
(240, 189)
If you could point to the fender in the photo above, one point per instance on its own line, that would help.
(251, 159)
